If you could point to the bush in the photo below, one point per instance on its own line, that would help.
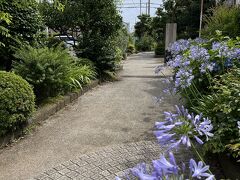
(130, 49)
(16, 101)
(160, 49)
(225, 19)
(146, 43)
(222, 107)
(51, 71)
(53, 42)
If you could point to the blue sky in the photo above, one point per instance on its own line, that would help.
(130, 14)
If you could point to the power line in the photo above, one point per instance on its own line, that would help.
(135, 3)
(137, 7)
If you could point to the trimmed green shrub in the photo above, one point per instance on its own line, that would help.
(159, 49)
(225, 19)
(16, 101)
(51, 71)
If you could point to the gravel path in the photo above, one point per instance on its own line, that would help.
(111, 115)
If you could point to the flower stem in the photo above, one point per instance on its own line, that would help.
(200, 157)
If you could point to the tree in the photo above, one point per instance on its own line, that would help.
(65, 20)
(159, 25)
(97, 23)
(99, 27)
(23, 27)
(186, 13)
(144, 26)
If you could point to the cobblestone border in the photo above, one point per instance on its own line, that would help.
(107, 163)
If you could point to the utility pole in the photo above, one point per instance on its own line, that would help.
(201, 18)
(149, 7)
(140, 7)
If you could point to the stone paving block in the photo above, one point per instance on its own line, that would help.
(55, 176)
(96, 170)
(60, 167)
(82, 170)
(105, 173)
(51, 171)
(97, 176)
(113, 170)
(68, 163)
(120, 173)
(64, 178)
(79, 177)
(81, 163)
(106, 163)
(110, 177)
(64, 171)
(88, 174)
(41, 176)
(72, 174)
(104, 166)
(73, 167)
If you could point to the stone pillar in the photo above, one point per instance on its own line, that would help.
(171, 34)
(170, 37)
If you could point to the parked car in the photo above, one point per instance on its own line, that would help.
(68, 40)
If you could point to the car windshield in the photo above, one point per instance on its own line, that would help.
(66, 38)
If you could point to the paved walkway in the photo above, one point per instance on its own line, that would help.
(101, 124)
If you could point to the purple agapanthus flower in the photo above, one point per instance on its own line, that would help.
(141, 172)
(221, 48)
(184, 78)
(178, 47)
(207, 66)
(199, 170)
(164, 168)
(198, 53)
(200, 40)
(179, 128)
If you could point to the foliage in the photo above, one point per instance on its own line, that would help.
(144, 26)
(122, 39)
(207, 73)
(65, 20)
(160, 49)
(130, 49)
(146, 43)
(234, 149)
(225, 19)
(97, 42)
(4, 17)
(25, 23)
(176, 129)
(159, 26)
(16, 102)
(52, 42)
(98, 26)
(223, 107)
(51, 71)
(180, 11)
